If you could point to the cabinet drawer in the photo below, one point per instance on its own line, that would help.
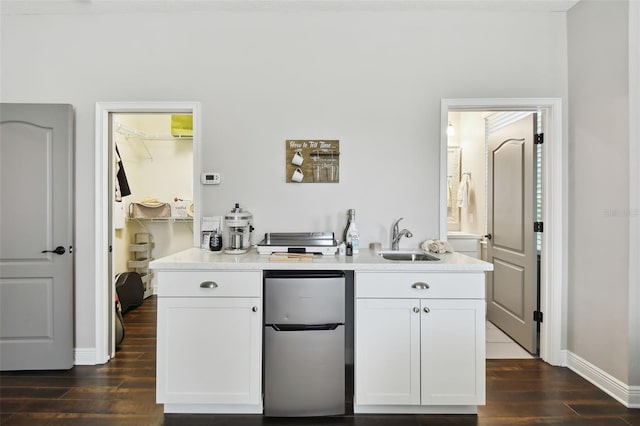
(420, 285)
(218, 283)
(461, 245)
(473, 254)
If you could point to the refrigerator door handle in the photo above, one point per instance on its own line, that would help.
(304, 327)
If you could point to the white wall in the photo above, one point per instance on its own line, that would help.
(470, 137)
(453, 172)
(598, 297)
(634, 194)
(474, 160)
(369, 76)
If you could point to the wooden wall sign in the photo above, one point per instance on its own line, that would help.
(312, 161)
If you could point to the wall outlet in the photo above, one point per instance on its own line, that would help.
(210, 178)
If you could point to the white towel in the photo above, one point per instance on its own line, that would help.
(436, 246)
(118, 215)
(463, 191)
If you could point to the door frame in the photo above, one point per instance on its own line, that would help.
(103, 199)
(553, 273)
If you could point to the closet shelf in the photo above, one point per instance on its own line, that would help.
(131, 133)
(140, 255)
(162, 219)
(138, 263)
(141, 247)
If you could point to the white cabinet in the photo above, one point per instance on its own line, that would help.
(452, 337)
(387, 347)
(419, 342)
(464, 243)
(209, 348)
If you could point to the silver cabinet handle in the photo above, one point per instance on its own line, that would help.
(254, 309)
(416, 310)
(420, 286)
(427, 310)
(208, 284)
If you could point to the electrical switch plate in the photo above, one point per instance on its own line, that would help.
(210, 178)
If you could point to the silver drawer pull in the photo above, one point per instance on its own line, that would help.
(420, 286)
(254, 309)
(208, 284)
(426, 310)
(416, 310)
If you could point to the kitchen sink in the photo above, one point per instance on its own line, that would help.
(407, 256)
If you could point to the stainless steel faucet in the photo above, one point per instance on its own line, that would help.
(395, 239)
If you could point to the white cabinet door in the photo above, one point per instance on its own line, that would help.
(453, 352)
(387, 359)
(209, 350)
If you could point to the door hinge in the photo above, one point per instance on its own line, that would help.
(539, 138)
(537, 227)
(537, 316)
(110, 248)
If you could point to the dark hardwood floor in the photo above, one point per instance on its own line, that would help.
(122, 392)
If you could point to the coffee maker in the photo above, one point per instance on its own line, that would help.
(239, 224)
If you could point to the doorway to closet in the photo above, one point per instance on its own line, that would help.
(147, 164)
(152, 215)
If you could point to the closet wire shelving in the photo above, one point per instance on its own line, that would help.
(140, 257)
(141, 249)
(131, 133)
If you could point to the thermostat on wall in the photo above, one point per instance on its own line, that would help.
(210, 178)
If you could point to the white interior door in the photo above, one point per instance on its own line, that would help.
(36, 216)
(512, 286)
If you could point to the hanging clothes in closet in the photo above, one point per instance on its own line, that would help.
(122, 185)
(121, 189)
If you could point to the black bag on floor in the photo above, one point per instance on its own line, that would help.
(129, 289)
(119, 330)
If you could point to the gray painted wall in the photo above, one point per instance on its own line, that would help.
(634, 194)
(598, 290)
(369, 76)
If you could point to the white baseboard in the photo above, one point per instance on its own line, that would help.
(634, 397)
(563, 358)
(84, 356)
(629, 396)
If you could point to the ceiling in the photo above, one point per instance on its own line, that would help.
(102, 6)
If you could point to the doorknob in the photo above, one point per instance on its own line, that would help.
(488, 236)
(58, 250)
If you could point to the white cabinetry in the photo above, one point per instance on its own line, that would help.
(387, 364)
(419, 342)
(453, 351)
(463, 243)
(209, 341)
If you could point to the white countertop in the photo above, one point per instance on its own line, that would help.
(366, 260)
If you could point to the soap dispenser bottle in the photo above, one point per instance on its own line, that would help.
(351, 235)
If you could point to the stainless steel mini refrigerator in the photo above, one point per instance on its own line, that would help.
(304, 357)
